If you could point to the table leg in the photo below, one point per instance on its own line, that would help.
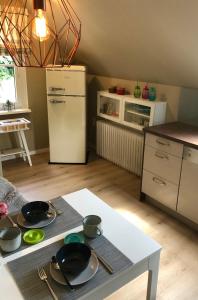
(1, 171)
(25, 146)
(153, 276)
(21, 145)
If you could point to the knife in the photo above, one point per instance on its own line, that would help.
(55, 263)
(102, 260)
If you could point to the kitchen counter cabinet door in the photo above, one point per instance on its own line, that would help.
(188, 192)
(160, 189)
(162, 164)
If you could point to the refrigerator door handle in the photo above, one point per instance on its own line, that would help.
(56, 89)
(54, 101)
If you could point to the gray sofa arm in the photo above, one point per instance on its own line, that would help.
(10, 195)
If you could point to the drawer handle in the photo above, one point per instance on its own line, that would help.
(187, 153)
(162, 143)
(161, 155)
(159, 181)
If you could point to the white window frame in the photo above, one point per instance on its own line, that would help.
(21, 88)
(21, 91)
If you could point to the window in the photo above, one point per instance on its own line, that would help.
(7, 80)
(13, 85)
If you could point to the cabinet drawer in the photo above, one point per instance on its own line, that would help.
(163, 164)
(159, 189)
(164, 144)
(191, 155)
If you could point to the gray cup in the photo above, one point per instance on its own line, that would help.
(92, 226)
(10, 239)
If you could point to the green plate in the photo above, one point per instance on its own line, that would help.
(74, 238)
(33, 236)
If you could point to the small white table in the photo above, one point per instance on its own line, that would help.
(17, 126)
(138, 247)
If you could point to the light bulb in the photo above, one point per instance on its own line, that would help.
(40, 28)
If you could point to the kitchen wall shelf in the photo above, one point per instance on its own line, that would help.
(139, 114)
(109, 107)
(130, 111)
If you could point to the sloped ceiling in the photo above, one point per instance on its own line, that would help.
(147, 40)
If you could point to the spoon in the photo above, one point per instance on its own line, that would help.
(11, 221)
(54, 263)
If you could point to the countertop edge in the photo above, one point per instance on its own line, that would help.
(153, 130)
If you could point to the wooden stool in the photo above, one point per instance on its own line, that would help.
(18, 126)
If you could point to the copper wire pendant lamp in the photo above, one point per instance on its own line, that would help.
(39, 33)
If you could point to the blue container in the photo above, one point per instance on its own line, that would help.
(152, 93)
(74, 238)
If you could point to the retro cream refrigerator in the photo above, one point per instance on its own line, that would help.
(66, 103)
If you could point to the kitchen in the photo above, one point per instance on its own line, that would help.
(113, 175)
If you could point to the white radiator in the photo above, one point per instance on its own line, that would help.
(121, 146)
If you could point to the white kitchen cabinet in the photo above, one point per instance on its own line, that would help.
(188, 192)
(161, 169)
(164, 144)
(170, 169)
(160, 189)
(129, 111)
(117, 115)
(109, 107)
(140, 113)
(162, 163)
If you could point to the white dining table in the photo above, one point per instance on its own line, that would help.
(143, 251)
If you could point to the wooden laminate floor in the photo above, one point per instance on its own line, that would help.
(178, 277)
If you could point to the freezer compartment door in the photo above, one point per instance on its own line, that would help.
(67, 129)
(66, 82)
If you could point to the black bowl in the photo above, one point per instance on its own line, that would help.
(35, 211)
(73, 258)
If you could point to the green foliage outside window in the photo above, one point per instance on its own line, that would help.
(6, 72)
(5, 60)
(7, 82)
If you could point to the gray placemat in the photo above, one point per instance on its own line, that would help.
(25, 274)
(66, 221)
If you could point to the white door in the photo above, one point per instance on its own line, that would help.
(67, 129)
(188, 192)
(61, 82)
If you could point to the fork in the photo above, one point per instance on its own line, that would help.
(58, 211)
(43, 276)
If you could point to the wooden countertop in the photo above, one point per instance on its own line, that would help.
(178, 132)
